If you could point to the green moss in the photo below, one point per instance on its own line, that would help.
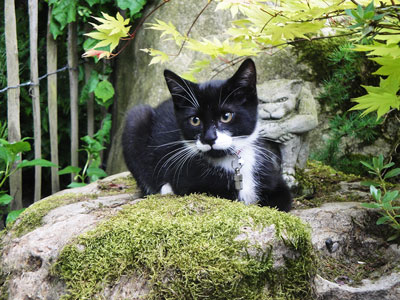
(32, 217)
(318, 184)
(185, 248)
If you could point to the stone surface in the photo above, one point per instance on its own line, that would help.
(26, 261)
(385, 288)
(352, 232)
(350, 228)
(137, 82)
(30, 256)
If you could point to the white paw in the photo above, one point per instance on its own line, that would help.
(166, 189)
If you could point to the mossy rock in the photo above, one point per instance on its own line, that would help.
(191, 248)
(319, 183)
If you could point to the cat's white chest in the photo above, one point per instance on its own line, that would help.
(248, 194)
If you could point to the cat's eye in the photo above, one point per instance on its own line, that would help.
(226, 117)
(283, 99)
(194, 121)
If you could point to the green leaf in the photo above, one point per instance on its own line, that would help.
(391, 164)
(64, 12)
(18, 147)
(392, 173)
(69, 170)
(13, 215)
(5, 154)
(5, 199)
(367, 165)
(371, 205)
(393, 237)
(380, 99)
(104, 90)
(93, 81)
(382, 220)
(369, 183)
(76, 184)
(134, 6)
(376, 194)
(35, 162)
(390, 196)
(97, 172)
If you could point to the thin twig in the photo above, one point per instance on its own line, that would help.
(191, 26)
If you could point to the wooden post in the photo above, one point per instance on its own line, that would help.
(73, 87)
(13, 106)
(51, 53)
(90, 102)
(37, 134)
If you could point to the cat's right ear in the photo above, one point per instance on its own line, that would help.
(180, 89)
(176, 84)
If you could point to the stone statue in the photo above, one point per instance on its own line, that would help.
(287, 111)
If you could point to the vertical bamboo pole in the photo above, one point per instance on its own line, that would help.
(73, 87)
(51, 53)
(13, 105)
(37, 134)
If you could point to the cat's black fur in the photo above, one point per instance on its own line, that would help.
(159, 144)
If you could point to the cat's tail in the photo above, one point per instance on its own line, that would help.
(138, 128)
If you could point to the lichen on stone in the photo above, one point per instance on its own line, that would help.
(32, 217)
(186, 247)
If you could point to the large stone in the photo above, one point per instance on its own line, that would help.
(346, 233)
(55, 246)
(137, 82)
(102, 242)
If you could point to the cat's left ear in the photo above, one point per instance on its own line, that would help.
(246, 75)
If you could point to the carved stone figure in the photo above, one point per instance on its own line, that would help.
(287, 112)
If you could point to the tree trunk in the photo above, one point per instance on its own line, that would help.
(52, 104)
(73, 88)
(37, 134)
(14, 131)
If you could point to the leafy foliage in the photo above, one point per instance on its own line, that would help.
(386, 52)
(351, 126)
(10, 162)
(93, 147)
(388, 202)
(266, 25)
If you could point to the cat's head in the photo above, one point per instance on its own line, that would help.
(216, 115)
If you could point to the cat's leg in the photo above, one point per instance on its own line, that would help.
(166, 189)
(280, 197)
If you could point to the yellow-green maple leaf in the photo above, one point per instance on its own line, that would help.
(110, 31)
(380, 99)
(390, 66)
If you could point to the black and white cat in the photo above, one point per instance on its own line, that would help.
(194, 142)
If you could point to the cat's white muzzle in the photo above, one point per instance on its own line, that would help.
(222, 142)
